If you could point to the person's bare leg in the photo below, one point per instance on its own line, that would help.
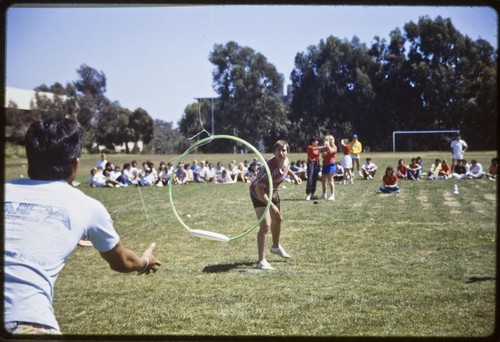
(276, 227)
(263, 230)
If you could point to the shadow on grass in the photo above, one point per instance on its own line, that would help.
(476, 279)
(227, 267)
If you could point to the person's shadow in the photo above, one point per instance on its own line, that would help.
(228, 267)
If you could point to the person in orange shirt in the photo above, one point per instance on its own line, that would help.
(445, 171)
(389, 181)
(328, 169)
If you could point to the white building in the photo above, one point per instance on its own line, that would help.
(25, 99)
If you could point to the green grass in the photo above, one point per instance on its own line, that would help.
(415, 264)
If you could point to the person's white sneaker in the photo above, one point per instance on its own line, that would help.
(279, 251)
(332, 197)
(264, 265)
(323, 196)
(308, 197)
(360, 173)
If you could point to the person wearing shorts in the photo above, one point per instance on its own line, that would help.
(347, 162)
(328, 169)
(457, 148)
(259, 193)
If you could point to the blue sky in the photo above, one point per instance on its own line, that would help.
(156, 58)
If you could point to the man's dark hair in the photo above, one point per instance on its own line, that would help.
(51, 148)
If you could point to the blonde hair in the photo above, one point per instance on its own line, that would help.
(329, 138)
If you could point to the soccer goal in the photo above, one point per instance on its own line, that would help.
(394, 133)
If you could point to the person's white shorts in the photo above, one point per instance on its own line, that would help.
(347, 162)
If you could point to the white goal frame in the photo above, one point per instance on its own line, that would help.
(418, 132)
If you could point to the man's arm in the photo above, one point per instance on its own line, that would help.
(123, 260)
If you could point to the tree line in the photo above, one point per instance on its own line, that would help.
(427, 76)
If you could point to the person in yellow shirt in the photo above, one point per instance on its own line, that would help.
(356, 149)
(435, 169)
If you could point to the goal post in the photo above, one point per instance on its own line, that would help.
(394, 133)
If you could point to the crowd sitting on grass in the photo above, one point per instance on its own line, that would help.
(106, 174)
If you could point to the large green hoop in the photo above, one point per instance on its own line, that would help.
(209, 234)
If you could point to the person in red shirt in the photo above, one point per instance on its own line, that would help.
(328, 169)
(402, 171)
(389, 181)
(493, 170)
(259, 193)
(347, 162)
(313, 151)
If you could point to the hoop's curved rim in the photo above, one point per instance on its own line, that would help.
(241, 141)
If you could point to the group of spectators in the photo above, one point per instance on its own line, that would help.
(106, 174)
(440, 169)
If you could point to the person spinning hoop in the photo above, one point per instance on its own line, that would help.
(259, 193)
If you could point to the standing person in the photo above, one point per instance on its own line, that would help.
(389, 181)
(328, 169)
(45, 218)
(259, 193)
(347, 162)
(356, 149)
(312, 167)
(457, 147)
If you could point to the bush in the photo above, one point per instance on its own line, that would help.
(14, 150)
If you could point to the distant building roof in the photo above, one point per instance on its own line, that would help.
(24, 98)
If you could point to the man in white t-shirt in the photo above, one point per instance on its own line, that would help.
(475, 171)
(457, 147)
(368, 169)
(45, 218)
(101, 163)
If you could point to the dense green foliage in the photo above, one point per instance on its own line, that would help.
(427, 77)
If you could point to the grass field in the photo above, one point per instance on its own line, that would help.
(421, 263)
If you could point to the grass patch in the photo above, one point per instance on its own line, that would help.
(420, 263)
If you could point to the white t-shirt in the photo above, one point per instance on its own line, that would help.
(101, 164)
(369, 166)
(44, 220)
(457, 147)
